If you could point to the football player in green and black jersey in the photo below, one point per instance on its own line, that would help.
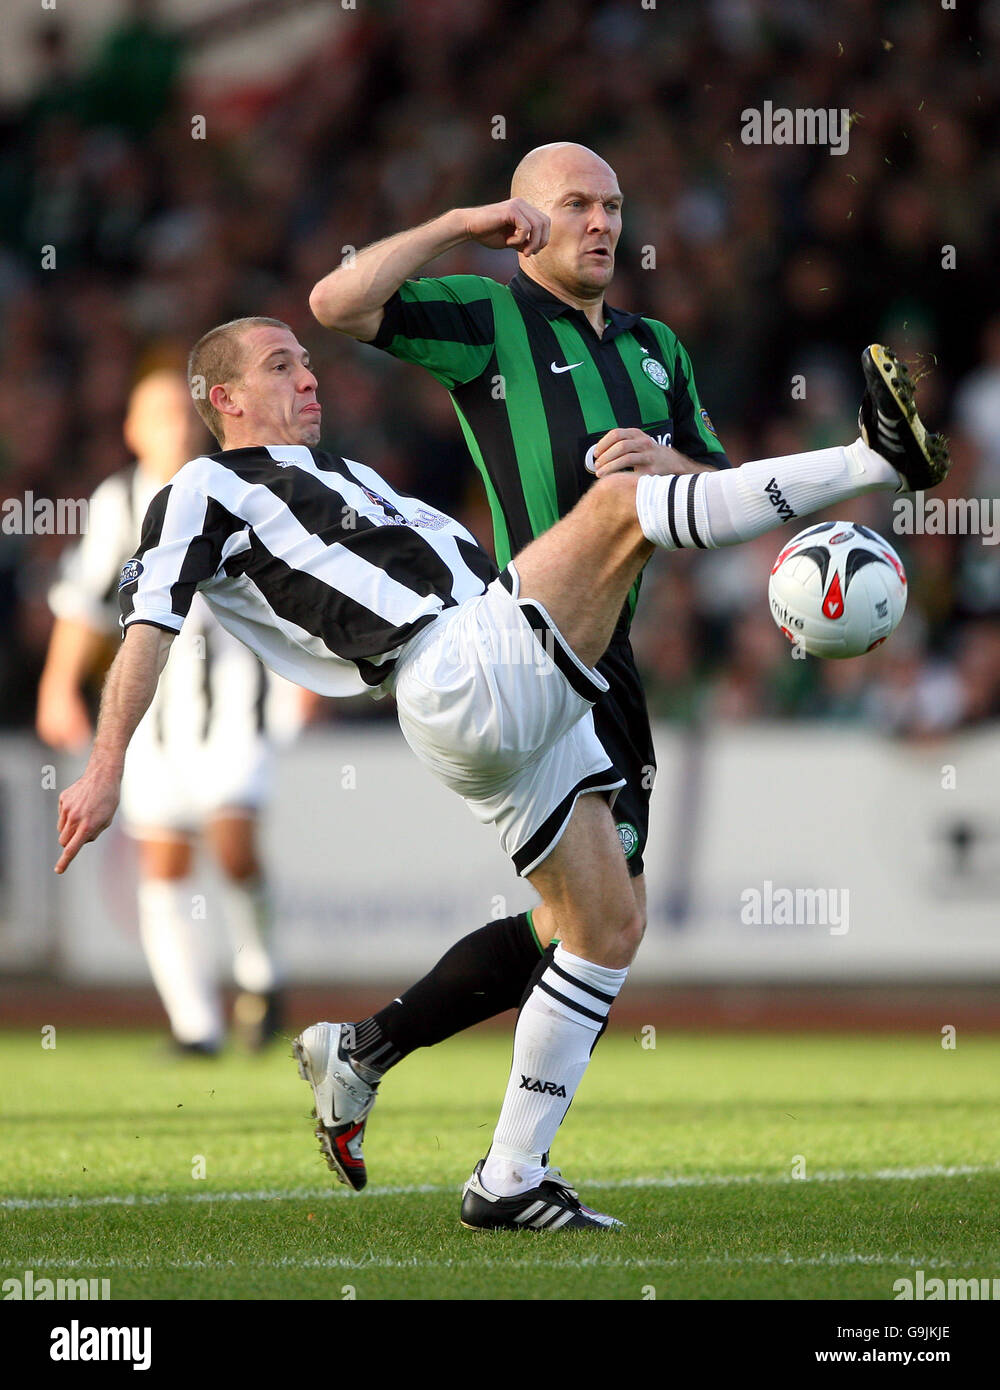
(553, 388)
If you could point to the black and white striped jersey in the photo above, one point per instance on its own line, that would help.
(212, 685)
(86, 587)
(314, 561)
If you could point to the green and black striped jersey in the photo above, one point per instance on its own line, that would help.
(535, 388)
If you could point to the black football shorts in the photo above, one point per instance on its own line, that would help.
(622, 725)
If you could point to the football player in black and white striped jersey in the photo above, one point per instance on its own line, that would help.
(199, 764)
(340, 582)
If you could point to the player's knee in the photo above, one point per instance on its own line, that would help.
(238, 864)
(164, 859)
(623, 932)
(630, 932)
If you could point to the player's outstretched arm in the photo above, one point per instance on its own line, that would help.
(87, 807)
(351, 298)
(61, 718)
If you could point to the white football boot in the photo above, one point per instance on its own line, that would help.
(343, 1099)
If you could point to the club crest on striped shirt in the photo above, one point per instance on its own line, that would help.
(656, 372)
(392, 515)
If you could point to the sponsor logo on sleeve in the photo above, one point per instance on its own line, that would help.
(130, 573)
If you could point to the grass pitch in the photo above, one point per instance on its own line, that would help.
(699, 1144)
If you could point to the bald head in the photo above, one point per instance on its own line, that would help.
(578, 191)
(547, 168)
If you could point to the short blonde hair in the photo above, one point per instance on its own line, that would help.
(217, 357)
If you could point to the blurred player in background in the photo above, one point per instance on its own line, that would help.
(199, 762)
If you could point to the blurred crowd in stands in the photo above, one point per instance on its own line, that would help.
(772, 263)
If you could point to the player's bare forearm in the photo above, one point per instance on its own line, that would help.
(73, 648)
(351, 298)
(128, 691)
(87, 807)
(61, 716)
(686, 465)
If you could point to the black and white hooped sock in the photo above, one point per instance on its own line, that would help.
(701, 511)
(553, 1040)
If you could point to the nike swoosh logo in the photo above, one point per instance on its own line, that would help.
(558, 369)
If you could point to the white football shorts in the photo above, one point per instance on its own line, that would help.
(174, 788)
(491, 698)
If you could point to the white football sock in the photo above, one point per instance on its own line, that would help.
(553, 1040)
(705, 510)
(248, 921)
(179, 959)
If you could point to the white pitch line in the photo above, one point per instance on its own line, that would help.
(587, 1262)
(448, 1189)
